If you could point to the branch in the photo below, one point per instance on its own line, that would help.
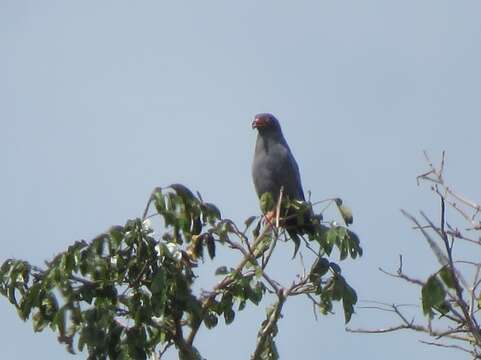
(403, 276)
(41, 273)
(185, 348)
(229, 279)
(410, 325)
(452, 346)
(268, 329)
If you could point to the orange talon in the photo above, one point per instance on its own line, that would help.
(270, 217)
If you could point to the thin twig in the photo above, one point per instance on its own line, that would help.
(452, 346)
(229, 279)
(268, 329)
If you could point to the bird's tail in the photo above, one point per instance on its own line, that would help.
(300, 223)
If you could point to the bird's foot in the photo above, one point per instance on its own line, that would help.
(270, 218)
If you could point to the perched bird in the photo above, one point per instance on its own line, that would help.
(274, 167)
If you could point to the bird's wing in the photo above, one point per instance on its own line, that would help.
(275, 168)
(291, 178)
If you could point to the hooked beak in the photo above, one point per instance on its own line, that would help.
(259, 123)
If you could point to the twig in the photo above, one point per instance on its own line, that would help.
(229, 279)
(265, 260)
(268, 329)
(278, 207)
(452, 346)
(461, 317)
(185, 348)
(386, 330)
(403, 276)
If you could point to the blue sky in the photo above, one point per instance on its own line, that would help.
(102, 101)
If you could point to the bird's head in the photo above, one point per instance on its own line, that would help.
(266, 123)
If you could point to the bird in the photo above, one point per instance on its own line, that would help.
(274, 167)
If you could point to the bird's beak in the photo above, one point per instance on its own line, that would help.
(259, 123)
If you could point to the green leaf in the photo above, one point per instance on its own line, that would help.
(297, 243)
(211, 211)
(433, 294)
(249, 221)
(222, 270)
(196, 225)
(342, 242)
(11, 295)
(355, 248)
(229, 316)
(5, 268)
(156, 193)
(346, 214)
(330, 240)
(443, 309)
(341, 234)
(226, 302)
(158, 282)
(135, 340)
(33, 297)
(320, 267)
(183, 192)
(197, 246)
(338, 288)
(39, 322)
(267, 202)
(59, 321)
(159, 201)
(210, 243)
(255, 294)
(258, 272)
(210, 320)
(343, 249)
(86, 293)
(349, 299)
(325, 306)
(447, 277)
(242, 305)
(257, 230)
(336, 268)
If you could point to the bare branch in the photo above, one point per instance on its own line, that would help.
(402, 276)
(461, 301)
(452, 346)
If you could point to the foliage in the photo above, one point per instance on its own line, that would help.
(128, 295)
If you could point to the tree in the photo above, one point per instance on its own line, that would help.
(127, 294)
(450, 303)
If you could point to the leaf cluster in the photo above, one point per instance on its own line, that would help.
(127, 294)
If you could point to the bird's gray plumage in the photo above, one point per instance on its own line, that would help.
(274, 167)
